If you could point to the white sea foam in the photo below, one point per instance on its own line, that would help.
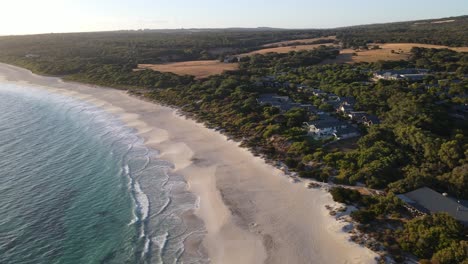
(146, 247)
(142, 200)
(161, 241)
(126, 169)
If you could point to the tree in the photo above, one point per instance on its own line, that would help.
(456, 253)
(428, 234)
(451, 153)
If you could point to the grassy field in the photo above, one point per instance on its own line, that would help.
(303, 41)
(401, 52)
(199, 69)
(204, 69)
(285, 49)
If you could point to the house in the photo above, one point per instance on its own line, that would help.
(302, 87)
(348, 100)
(231, 59)
(370, 120)
(325, 127)
(345, 133)
(272, 98)
(319, 93)
(413, 77)
(357, 116)
(311, 109)
(428, 201)
(284, 103)
(333, 97)
(345, 109)
(406, 74)
(281, 102)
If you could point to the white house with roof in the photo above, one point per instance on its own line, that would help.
(325, 127)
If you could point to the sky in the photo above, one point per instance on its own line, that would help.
(46, 16)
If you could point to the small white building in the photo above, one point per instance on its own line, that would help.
(325, 128)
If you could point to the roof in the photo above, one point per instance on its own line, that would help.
(272, 99)
(346, 131)
(326, 123)
(372, 118)
(403, 71)
(429, 201)
(348, 99)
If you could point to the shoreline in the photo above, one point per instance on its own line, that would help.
(252, 213)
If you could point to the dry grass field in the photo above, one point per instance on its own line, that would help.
(199, 69)
(401, 52)
(204, 69)
(304, 41)
(285, 49)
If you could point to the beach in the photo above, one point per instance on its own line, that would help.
(251, 212)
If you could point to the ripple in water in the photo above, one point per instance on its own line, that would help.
(77, 186)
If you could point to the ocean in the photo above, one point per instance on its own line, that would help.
(78, 186)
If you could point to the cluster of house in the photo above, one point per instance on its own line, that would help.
(406, 74)
(325, 126)
(284, 103)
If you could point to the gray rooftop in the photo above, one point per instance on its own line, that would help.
(430, 201)
(326, 122)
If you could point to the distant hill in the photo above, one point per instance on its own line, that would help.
(70, 53)
(450, 31)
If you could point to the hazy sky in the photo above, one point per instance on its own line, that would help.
(36, 16)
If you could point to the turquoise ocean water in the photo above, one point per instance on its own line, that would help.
(77, 186)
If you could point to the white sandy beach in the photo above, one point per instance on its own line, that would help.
(252, 213)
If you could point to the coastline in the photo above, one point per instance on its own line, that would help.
(252, 213)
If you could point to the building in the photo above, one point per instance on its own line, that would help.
(345, 109)
(406, 74)
(319, 93)
(428, 201)
(325, 127)
(357, 116)
(284, 103)
(231, 59)
(281, 102)
(347, 132)
(370, 120)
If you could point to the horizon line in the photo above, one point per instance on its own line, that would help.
(230, 28)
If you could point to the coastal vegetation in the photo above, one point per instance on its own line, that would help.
(420, 139)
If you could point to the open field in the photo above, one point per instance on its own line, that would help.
(204, 69)
(401, 52)
(285, 49)
(199, 69)
(304, 41)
